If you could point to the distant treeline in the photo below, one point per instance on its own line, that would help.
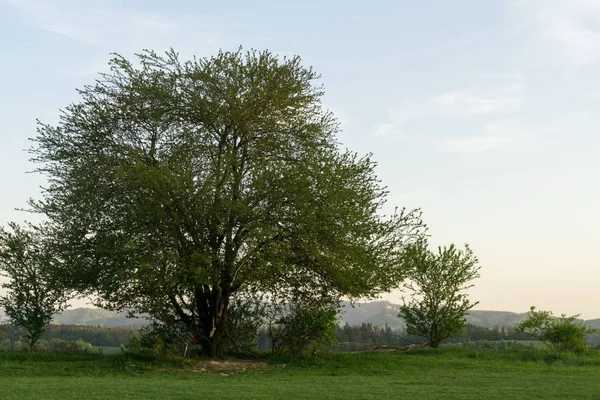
(475, 332)
(368, 334)
(96, 336)
(365, 333)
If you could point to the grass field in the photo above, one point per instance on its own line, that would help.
(108, 349)
(447, 374)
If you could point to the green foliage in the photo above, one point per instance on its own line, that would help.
(175, 185)
(33, 292)
(476, 332)
(561, 334)
(97, 336)
(501, 345)
(304, 327)
(245, 318)
(70, 346)
(369, 334)
(161, 339)
(53, 345)
(3, 332)
(437, 282)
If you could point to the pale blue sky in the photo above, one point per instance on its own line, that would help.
(482, 113)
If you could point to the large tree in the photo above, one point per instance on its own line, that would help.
(173, 185)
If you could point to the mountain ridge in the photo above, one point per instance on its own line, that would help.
(381, 313)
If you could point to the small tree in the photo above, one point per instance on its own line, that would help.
(437, 283)
(32, 297)
(560, 334)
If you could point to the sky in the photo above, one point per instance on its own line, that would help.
(481, 113)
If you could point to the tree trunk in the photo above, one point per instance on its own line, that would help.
(434, 336)
(212, 309)
(210, 346)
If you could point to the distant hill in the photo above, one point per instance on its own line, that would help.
(92, 317)
(593, 323)
(376, 312)
(384, 312)
(96, 317)
(491, 319)
(82, 316)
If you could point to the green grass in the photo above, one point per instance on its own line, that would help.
(108, 349)
(501, 345)
(452, 373)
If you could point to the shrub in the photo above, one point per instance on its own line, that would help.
(305, 327)
(70, 346)
(161, 339)
(244, 319)
(561, 334)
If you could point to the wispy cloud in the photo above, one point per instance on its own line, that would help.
(471, 102)
(387, 129)
(94, 69)
(474, 144)
(496, 136)
(488, 99)
(110, 25)
(92, 25)
(567, 31)
(393, 127)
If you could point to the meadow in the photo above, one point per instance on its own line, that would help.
(451, 373)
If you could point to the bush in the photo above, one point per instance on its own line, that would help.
(69, 346)
(305, 327)
(78, 346)
(561, 334)
(161, 339)
(244, 319)
(495, 345)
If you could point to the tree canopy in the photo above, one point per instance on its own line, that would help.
(33, 292)
(174, 185)
(437, 284)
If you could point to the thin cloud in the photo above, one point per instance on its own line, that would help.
(497, 136)
(565, 31)
(474, 144)
(470, 102)
(388, 129)
(488, 99)
(115, 28)
(91, 25)
(102, 25)
(95, 69)
(393, 127)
